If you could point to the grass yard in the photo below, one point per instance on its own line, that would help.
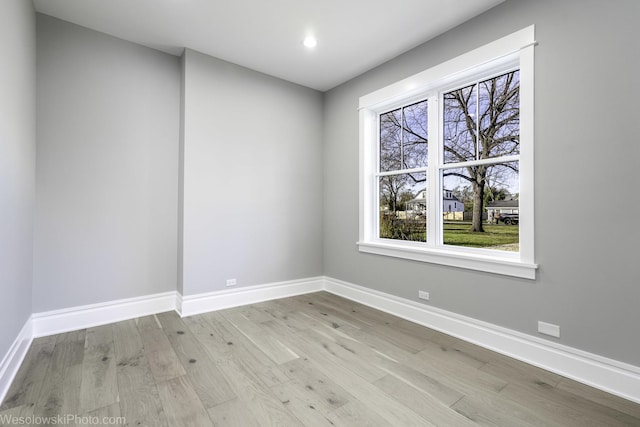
(500, 237)
(494, 235)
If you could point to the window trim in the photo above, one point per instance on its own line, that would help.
(516, 49)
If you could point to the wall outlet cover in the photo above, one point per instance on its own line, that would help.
(549, 329)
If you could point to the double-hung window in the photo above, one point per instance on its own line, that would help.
(446, 162)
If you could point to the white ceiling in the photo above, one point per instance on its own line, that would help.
(266, 35)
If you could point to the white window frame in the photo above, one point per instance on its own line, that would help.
(513, 51)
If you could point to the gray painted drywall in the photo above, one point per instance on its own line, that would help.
(586, 155)
(252, 177)
(107, 168)
(17, 165)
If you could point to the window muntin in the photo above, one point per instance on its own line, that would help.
(403, 138)
(482, 120)
(401, 178)
(471, 70)
(480, 128)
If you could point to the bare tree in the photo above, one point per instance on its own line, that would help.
(403, 145)
(481, 121)
(390, 189)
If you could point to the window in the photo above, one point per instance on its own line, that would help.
(445, 154)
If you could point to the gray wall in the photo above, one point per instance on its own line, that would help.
(17, 165)
(586, 155)
(107, 168)
(252, 177)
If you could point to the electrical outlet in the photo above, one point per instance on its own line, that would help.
(549, 329)
(423, 295)
(231, 282)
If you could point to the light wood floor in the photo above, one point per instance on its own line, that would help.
(311, 360)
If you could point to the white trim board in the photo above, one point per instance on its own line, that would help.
(87, 316)
(14, 358)
(606, 374)
(211, 301)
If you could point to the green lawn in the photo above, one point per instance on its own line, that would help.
(494, 235)
(504, 237)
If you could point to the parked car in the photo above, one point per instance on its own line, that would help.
(509, 218)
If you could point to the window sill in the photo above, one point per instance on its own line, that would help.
(453, 258)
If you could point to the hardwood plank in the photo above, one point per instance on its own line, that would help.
(473, 350)
(487, 410)
(212, 335)
(26, 385)
(221, 341)
(422, 402)
(309, 409)
(269, 345)
(202, 372)
(316, 385)
(147, 322)
(257, 397)
(357, 361)
(364, 314)
(239, 346)
(356, 414)
(327, 314)
(60, 392)
(380, 345)
(255, 312)
(108, 415)
(285, 305)
(561, 408)
(181, 404)
(99, 387)
(330, 364)
(394, 412)
(163, 361)
(301, 321)
(582, 391)
(435, 389)
(139, 400)
(273, 310)
(232, 413)
(399, 338)
(516, 372)
(451, 356)
(463, 378)
(420, 332)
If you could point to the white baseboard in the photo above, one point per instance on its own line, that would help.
(14, 357)
(87, 316)
(600, 372)
(212, 301)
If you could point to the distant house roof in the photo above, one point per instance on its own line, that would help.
(504, 204)
(421, 196)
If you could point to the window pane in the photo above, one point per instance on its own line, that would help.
(403, 207)
(459, 125)
(490, 207)
(499, 105)
(415, 135)
(390, 141)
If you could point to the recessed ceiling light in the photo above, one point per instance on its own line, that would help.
(310, 42)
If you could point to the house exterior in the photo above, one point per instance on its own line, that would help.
(452, 207)
(502, 206)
